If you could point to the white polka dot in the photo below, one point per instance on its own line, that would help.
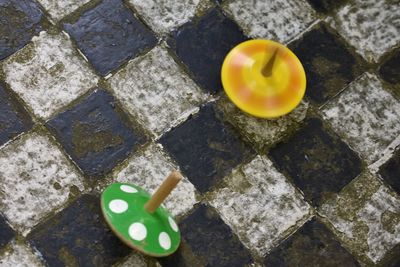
(173, 225)
(118, 205)
(128, 189)
(165, 240)
(137, 231)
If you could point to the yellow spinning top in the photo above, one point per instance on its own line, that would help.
(263, 78)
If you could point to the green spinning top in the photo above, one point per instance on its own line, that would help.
(138, 219)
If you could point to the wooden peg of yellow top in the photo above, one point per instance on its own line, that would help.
(256, 92)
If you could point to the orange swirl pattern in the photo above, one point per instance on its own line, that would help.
(255, 94)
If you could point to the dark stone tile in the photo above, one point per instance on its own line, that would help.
(95, 133)
(327, 6)
(390, 70)
(19, 21)
(110, 35)
(391, 258)
(311, 245)
(390, 171)
(78, 236)
(13, 117)
(202, 46)
(6, 233)
(207, 241)
(319, 163)
(205, 148)
(329, 65)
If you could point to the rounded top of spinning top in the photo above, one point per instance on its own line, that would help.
(155, 234)
(254, 92)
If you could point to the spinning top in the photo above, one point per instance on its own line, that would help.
(263, 78)
(138, 219)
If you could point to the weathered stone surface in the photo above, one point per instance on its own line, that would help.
(109, 35)
(390, 70)
(276, 20)
(96, 133)
(371, 26)
(312, 245)
(48, 74)
(390, 171)
(366, 115)
(218, 246)
(366, 217)
(205, 148)
(6, 233)
(148, 169)
(19, 21)
(327, 6)
(13, 117)
(166, 15)
(20, 255)
(262, 133)
(35, 179)
(78, 236)
(163, 101)
(203, 44)
(328, 63)
(318, 162)
(260, 205)
(60, 8)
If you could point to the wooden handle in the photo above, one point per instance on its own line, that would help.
(163, 191)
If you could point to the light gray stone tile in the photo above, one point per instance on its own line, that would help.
(48, 73)
(366, 115)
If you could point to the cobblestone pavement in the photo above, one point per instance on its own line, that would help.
(98, 91)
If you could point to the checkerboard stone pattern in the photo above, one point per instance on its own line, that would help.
(163, 101)
(365, 215)
(60, 8)
(20, 21)
(36, 178)
(260, 205)
(100, 91)
(275, 20)
(371, 26)
(48, 74)
(370, 125)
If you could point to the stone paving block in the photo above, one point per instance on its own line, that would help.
(135, 260)
(35, 178)
(260, 205)
(20, 255)
(148, 169)
(19, 20)
(366, 217)
(60, 8)
(276, 20)
(48, 74)
(78, 236)
(166, 15)
(312, 245)
(96, 133)
(318, 162)
(217, 247)
(6, 233)
(390, 70)
(366, 115)
(371, 26)
(390, 171)
(327, 6)
(13, 117)
(203, 44)
(156, 91)
(109, 35)
(328, 63)
(205, 148)
(262, 133)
